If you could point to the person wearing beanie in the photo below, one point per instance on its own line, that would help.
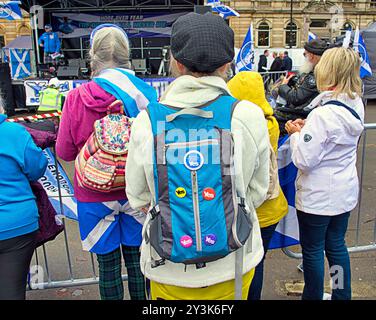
(299, 94)
(202, 49)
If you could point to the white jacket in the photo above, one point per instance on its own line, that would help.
(252, 178)
(325, 152)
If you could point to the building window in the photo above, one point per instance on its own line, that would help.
(24, 30)
(263, 35)
(317, 23)
(373, 3)
(291, 35)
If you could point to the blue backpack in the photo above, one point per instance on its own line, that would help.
(198, 217)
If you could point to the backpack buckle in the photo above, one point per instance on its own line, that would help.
(200, 265)
(157, 263)
(154, 212)
(241, 202)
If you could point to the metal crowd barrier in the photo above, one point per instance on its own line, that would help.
(94, 279)
(358, 247)
(271, 77)
(72, 281)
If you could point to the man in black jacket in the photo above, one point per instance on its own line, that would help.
(287, 62)
(298, 92)
(263, 63)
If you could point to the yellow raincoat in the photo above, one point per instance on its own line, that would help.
(249, 86)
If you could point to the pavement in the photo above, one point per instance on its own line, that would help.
(282, 280)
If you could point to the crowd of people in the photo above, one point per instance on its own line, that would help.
(281, 62)
(200, 197)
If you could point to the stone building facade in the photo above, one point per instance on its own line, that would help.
(9, 30)
(271, 20)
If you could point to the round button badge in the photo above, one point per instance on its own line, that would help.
(193, 160)
(210, 239)
(186, 242)
(209, 194)
(181, 192)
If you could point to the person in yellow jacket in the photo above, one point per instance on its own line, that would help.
(51, 99)
(249, 86)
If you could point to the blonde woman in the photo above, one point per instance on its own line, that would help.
(324, 148)
(108, 226)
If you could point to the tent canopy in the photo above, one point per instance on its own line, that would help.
(21, 42)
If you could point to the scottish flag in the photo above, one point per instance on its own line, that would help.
(20, 63)
(68, 206)
(360, 46)
(246, 55)
(10, 10)
(311, 36)
(224, 11)
(125, 86)
(287, 232)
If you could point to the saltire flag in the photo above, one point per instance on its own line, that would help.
(311, 36)
(223, 10)
(360, 47)
(20, 63)
(68, 207)
(125, 86)
(246, 55)
(10, 10)
(287, 232)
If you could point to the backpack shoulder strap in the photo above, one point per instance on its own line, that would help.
(341, 104)
(233, 107)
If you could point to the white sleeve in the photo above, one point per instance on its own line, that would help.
(252, 151)
(139, 153)
(308, 146)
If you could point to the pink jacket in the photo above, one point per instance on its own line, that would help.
(82, 108)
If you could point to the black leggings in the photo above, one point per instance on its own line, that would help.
(15, 258)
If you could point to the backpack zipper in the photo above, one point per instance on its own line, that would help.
(196, 210)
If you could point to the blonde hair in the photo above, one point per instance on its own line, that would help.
(339, 70)
(110, 49)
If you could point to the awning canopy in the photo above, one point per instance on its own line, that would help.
(21, 42)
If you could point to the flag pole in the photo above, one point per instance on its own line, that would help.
(35, 35)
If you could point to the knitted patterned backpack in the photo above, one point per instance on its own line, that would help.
(100, 165)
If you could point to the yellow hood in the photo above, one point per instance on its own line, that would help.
(248, 85)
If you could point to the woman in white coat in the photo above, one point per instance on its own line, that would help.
(324, 148)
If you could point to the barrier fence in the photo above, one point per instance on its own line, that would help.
(41, 273)
(92, 278)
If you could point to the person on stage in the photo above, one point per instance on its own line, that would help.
(50, 43)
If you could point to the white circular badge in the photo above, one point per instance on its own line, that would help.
(193, 160)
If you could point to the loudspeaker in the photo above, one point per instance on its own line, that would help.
(77, 63)
(6, 90)
(202, 9)
(68, 73)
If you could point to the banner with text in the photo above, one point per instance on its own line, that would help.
(148, 25)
